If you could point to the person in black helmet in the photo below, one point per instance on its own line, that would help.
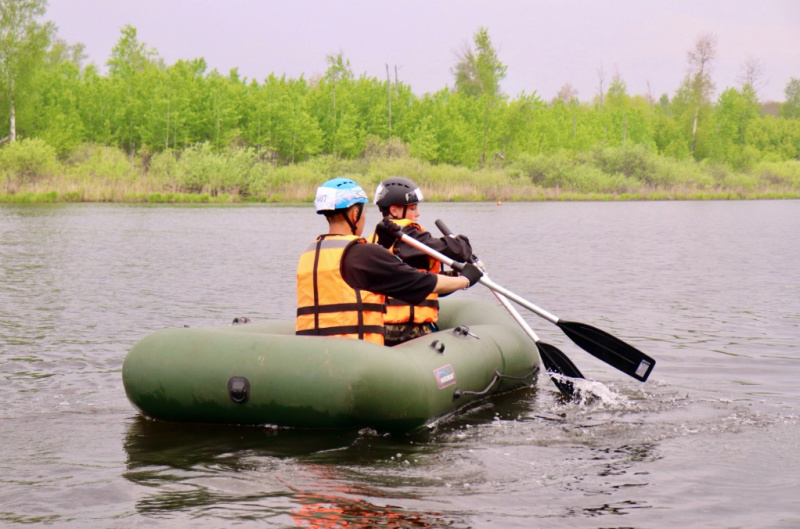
(342, 281)
(398, 200)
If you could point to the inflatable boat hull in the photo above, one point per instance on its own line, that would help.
(262, 373)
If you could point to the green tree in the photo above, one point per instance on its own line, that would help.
(733, 114)
(515, 121)
(791, 108)
(186, 112)
(23, 42)
(423, 145)
(478, 74)
(56, 105)
(777, 139)
(479, 71)
(338, 75)
(698, 84)
(131, 74)
(626, 119)
(669, 137)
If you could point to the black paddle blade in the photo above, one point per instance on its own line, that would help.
(609, 349)
(557, 362)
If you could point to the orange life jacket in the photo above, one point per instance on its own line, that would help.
(398, 311)
(326, 304)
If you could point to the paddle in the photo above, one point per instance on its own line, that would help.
(602, 345)
(553, 359)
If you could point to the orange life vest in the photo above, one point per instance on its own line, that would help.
(398, 311)
(326, 304)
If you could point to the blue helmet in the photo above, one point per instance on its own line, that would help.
(339, 193)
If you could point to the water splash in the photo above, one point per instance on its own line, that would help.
(593, 392)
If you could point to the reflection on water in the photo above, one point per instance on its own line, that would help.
(148, 443)
(327, 511)
(268, 472)
(362, 479)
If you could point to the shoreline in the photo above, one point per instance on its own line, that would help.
(288, 198)
(104, 174)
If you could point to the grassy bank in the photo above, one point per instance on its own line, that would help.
(31, 173)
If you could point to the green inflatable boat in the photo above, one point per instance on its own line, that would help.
(262, 374)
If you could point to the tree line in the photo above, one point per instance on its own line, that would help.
(143, 106)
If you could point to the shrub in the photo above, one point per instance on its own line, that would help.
(635, 162)
(91, 161)
(779, 173)
(27, 161)
(200, 168)
(381, 149)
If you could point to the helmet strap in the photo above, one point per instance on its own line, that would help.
(389, 213)
(360, 209)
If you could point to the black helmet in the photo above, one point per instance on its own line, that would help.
(397, 191)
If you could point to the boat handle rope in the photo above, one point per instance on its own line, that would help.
(457, 393)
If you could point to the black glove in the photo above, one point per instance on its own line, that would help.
(463, 238)
(472, 273)
(387, 227)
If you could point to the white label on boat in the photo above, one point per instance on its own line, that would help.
(445, 376)
(642, 369)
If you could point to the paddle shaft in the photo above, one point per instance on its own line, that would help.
(500, 297)
(555, 361)
(599, 343)
(483, 280)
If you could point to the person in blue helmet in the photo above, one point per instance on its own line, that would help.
(343, 281)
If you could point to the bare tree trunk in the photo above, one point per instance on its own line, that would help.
(694, 128)
(389, 93)
(166, 139)
(624, 129)
(485, 135)
(601, 78)
(218, 128)
(333, 88)
(650, 95)
(13, 112)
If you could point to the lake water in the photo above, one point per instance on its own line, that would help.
(711, 290)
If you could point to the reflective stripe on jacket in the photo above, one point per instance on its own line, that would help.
(398, 311)
(326, 304)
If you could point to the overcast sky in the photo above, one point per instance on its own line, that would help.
(545, 44)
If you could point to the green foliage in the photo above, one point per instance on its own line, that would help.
(201, 169)
(26, 162)
(611, 170)
(634, 162)
(424, 145)
(791, 108)
(23, 43)
(564, 172)
(377, 149)
(479, 71)
(778, 174)
(91, 161)
(194, 130)
(733, 114)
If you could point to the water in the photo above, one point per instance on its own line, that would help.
(709, 289)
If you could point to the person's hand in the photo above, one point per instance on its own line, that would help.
(477, 262)
(387, 227)
(472, 273)
(463, 238)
